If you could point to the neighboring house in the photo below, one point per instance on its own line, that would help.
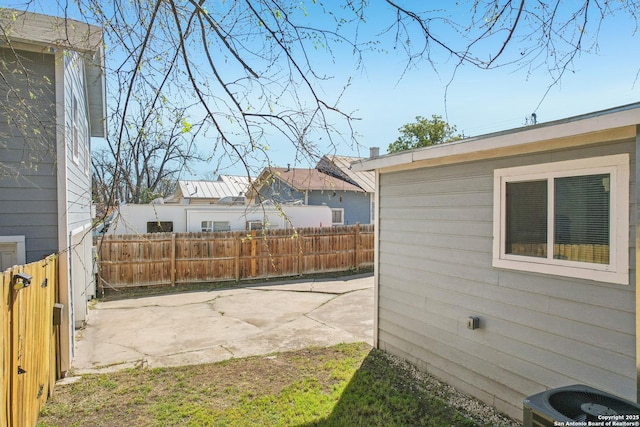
(227, 188)
(152, 218)
(340, 167)
(531, 231)
(53, 102)
(350, 200)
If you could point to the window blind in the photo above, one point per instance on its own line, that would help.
(582, 218)
(526, 218)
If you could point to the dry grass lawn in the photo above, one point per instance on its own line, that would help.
(344, 385)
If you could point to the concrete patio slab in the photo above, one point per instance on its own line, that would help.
(209, 326)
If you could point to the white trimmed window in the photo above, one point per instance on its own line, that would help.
(87, 159)
(75, 131)
(372, 213)
(254, 225)
(568, 218)
(337, 216)
(159, 226)
(211, 226)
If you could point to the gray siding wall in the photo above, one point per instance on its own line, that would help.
(537, 331)
(281, 192)
(78, 168)
(28, 195)
(356, 206)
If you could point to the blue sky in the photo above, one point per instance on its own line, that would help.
(385, 96)
(482, 101)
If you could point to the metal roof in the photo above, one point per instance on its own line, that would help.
(225, 186)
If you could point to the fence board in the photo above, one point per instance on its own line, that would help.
(29, 342)
(183, 258)
(5, 338)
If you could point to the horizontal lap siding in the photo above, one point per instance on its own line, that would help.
(28, 186)
(536, 332)
(78, 177)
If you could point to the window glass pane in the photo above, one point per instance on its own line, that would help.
(254, 225)
(582, 218)
(336, 216)
(76, 137)
(159, 226)
(526, 219)
(221, 226)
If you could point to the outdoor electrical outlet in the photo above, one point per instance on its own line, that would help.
(473, 322)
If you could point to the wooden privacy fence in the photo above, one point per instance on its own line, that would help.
(597, 254)
(29, 341)
(181, 258)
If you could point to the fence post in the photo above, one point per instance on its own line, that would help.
(300, 255)
(357, 246)
(237, 264)
(173, 259)
(253, 253)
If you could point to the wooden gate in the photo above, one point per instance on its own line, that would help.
(28, 338)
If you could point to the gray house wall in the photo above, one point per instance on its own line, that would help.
(537, 331)
(78, 189)
(28, 188)
(46, 191)
(280, 192)
(356, 205)
(78, 170)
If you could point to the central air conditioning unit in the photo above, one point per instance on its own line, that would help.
(576, 404)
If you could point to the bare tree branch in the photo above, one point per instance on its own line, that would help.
(241, 74)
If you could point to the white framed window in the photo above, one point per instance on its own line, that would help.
(87, 159)
(337, 216)
(568, 218)
(159, 226)
(75, 132)
(12, 251)
(211, 226)
(372, 212)
(254, 225)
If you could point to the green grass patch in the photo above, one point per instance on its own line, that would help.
(344, 385)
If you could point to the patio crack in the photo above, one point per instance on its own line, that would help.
(312, 291)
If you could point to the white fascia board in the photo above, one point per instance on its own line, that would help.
(383, 161)
(571, 127)
(49, 31)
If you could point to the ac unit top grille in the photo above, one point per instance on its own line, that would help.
(579, 403)
(587, 406)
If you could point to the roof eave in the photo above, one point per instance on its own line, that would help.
(96, 93)
(624, 118)
(50, 31)
(35, 31)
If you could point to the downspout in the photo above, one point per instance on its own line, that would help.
(376, 258)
